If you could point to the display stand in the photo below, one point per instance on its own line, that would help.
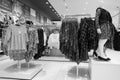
(77, 71)
(28, 64)
(19, 65)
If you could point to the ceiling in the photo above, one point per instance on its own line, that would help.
(47, 8)
(73, 7)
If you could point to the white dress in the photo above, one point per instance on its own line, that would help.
(54, 41)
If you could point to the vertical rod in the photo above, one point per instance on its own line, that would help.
(77, 70)
(28, 65)
(19, 65)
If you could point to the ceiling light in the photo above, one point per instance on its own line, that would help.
(65, 4)
(101, 1)
(67, 9)
(47, 2)
(86, 2)
(53, 10)
(50, 6)
(84, 8)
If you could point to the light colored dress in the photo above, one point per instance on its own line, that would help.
(54, 41)
(16, 39)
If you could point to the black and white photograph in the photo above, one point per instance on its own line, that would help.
(59, 39)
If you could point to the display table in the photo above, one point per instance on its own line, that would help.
(101, 70)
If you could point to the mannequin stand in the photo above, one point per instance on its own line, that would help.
(19, 65)
(28, 65)
(77, 71)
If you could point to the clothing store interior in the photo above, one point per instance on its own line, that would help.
(59, 39)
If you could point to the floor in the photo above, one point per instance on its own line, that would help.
(59, 68)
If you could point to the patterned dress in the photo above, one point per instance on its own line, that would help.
(16, 39)
(103, 20)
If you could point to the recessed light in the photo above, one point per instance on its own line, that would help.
(84, 8)
(101, 1)
(50, 6)
(86, 2)
(47, 2)
(53, 10)
(65, 4)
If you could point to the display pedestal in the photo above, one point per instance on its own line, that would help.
(9, 69)
(100, 70)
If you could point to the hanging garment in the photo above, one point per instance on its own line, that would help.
(92, 36)
(45, 38)
(69, 38)
(40, 44)
(0, 32)
(110, 43)
(32, 44)
(1, 29)
(82, 40)
(53, 41)
(87, 38)
(116, 40)
(16, 39)
(4, 46)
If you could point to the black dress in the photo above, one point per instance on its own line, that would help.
(87, 38)
(40, 44)
(69, 38)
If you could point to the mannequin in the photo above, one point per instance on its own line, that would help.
(103, 21)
